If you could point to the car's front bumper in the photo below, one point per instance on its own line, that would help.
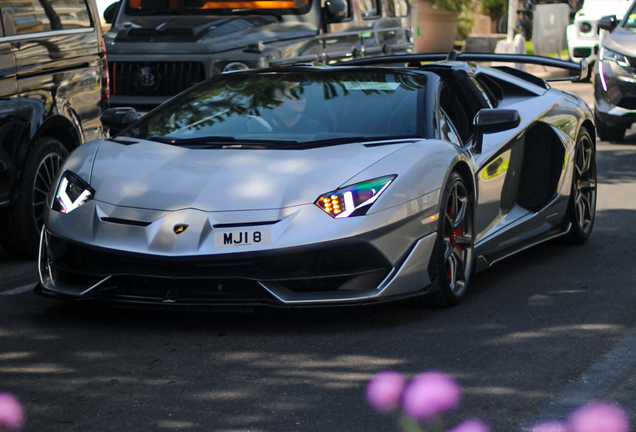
(380, 264)
(615, 94)
(580, 49)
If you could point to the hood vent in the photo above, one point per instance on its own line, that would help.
(124, 221)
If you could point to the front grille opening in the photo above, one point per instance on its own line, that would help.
(582, 52)
(366, 280)
(339, 268)
(74, 278)
(181, 291)
(153, 78)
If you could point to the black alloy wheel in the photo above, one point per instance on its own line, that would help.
(582, 205)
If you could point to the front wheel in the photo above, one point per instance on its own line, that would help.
(451, 264)
(582, 205)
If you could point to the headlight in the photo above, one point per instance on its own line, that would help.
(235, 66)
(610, 55)
(353, 200)
(71, 193)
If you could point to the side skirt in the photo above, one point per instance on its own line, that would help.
(483, 262)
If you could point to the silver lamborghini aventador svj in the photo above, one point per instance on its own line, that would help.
(316, 185)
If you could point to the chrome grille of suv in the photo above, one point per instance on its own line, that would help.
(153, 78)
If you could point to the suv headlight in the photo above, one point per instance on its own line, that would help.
(585, 27)
(71, 193)
(354, 200)
(609, 55)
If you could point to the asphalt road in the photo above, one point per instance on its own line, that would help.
(533, 328)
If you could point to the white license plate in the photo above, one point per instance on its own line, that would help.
(242, 238)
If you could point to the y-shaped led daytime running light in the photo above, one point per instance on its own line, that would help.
(353, 200)
(71, 193)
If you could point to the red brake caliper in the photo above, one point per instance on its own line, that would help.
(453, 240)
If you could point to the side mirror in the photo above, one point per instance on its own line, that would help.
(584, 72)
(116, 120)
(608, 23)
(336, 10)
(493, 120)
(111, 12)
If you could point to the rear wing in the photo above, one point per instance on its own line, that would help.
(581, 70)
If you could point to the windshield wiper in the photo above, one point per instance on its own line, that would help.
(191, 141)
(347, 140)
(219, 142)
(331, 142)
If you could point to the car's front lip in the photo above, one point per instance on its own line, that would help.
(343, 272)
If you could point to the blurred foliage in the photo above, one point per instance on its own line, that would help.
(465, 24)
(493, 8)
(456, 6)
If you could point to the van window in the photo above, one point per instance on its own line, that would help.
(397, 8)
(369, 8)
(34, 16)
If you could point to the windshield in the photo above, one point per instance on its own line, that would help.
(289, 109)
(190, 7)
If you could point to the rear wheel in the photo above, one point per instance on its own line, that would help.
(23, 222)
(608, 132)
(582, 205)
(451, 264)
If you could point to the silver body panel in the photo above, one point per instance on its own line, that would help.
(223, 191)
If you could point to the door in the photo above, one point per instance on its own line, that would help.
(8, 116)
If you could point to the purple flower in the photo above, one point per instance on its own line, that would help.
(384, 391)
(429, 394)
(472, 425)
(549, 426)
(11, 414)
(599, 417)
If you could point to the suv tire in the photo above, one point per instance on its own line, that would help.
(26, 217)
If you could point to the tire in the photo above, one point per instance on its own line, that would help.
(502, 24)
(23, 222)
(606, 132)
(582, 206)
(452, 260)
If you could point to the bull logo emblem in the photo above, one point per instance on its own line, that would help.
(180, 228)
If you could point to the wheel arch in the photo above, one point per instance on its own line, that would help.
(58, 127)
(466, 174)
(62, 129)
(591, 129)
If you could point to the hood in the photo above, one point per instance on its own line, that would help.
(596, 9)
(158, 176)
(622, 41)
(211, 33)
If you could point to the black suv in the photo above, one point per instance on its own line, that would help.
(158, 48)
(53, 90)
(615, 80)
